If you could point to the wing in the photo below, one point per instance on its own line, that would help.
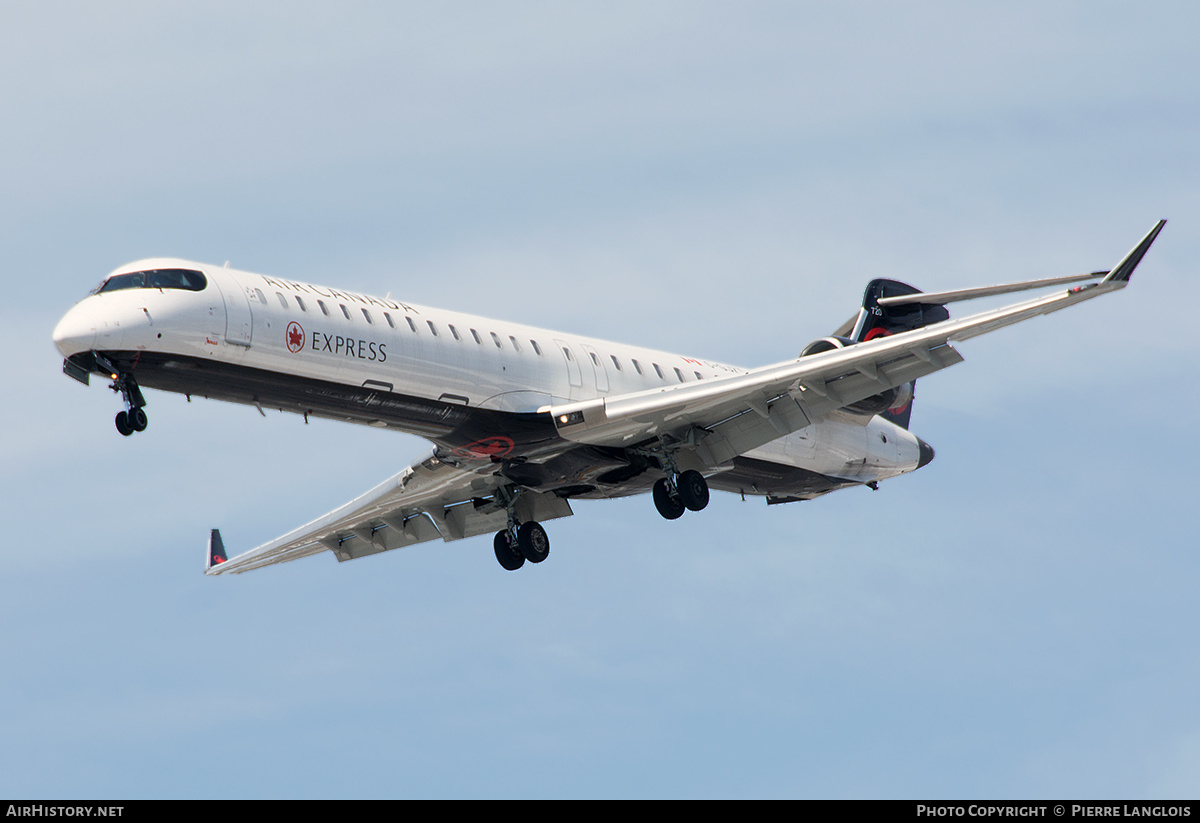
(432, 498)
(720, 419)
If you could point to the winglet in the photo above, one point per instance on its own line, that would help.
(216, 550)
(1122, 271)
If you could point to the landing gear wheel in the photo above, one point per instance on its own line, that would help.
(508, 555)
(123, 424)
(668, 505)
(693, 490)
(533, 542)
(137, 419)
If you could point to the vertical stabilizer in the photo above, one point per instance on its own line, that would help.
(216, 550)
(877, 320)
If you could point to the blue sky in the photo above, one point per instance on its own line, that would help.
(1015, 620)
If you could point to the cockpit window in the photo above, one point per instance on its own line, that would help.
(155, 279)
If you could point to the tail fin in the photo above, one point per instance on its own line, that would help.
(875, 320)
(216, 550)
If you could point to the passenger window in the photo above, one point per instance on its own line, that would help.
(658, 371)
(388, 318)
(282, 300)
(367, 315)
(261, 299)
(595, 359)
(324, 308)
(411, 324)
(454, 332)
(637, 367)
(496, 340)
(567, 352)
(300, 303)
(698, 377)
(516, 345)
(616, 362)
(536, 347)
(432, 327)
(345, 311)
(679, 374)
(475, 334)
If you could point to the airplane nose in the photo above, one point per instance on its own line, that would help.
(926, 456)
(75, 333)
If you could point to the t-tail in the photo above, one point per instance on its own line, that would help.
(891, 307)
(877, 319)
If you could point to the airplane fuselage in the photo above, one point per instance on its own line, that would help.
(477, 387)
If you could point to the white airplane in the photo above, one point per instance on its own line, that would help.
(525, 420)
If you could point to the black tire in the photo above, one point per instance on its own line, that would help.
(506, 554)
(668, 505)
(533, 541)
(693, 490)
(123, 424)
(137, 419)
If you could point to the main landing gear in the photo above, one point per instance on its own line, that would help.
(527, 542)
(520, 541)
(677, 493)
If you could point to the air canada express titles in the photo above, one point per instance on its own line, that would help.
(298, 340)
(349, 347)
(338, 294)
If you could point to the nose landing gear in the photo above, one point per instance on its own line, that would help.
(133, 418)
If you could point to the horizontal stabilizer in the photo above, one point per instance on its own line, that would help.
(1119, 274)
(986, 291)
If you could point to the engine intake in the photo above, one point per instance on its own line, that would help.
(897, 398)
(826, 344)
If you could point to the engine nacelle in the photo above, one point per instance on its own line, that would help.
(896, 398)
(826, 344)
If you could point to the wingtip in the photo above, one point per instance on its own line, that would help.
(1123, 270)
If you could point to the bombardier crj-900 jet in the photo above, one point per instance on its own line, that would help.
(525, 421)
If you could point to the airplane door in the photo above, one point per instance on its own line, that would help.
(598, 370)
(238, 323)
(574, 375)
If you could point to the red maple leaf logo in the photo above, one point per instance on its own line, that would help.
(497, 445)
(295, 337)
